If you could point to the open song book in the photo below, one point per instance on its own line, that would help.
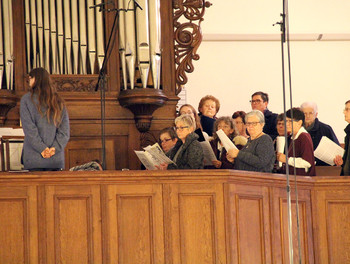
(152, 156)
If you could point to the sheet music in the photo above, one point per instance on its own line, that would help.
(226, 142)
(152, 156)
(280, 144)
(158, 154)
(146, 159)
(327, 150)
(208, 152)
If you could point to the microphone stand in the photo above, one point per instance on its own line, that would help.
(285, 38)
(101, 82)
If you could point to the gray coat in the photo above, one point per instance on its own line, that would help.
(190, 155)
(40, 134)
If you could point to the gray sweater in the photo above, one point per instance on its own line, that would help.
(256, 155)
(40, 134)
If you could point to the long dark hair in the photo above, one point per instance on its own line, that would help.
(47, 96)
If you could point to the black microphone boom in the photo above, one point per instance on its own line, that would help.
(137, 4)
(101, 4)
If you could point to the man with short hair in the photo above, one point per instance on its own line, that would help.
(345, 161)
(259, 101)
(316, 128)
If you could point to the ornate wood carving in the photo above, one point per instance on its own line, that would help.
(147, 138)
(75, 83)
(188, 36)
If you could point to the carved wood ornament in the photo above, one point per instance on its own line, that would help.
(187, 36)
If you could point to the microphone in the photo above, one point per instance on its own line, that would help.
(137, 4)
(101, 4)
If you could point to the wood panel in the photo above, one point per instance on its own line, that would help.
(135, 224)
(248, 224)
(197, 223)
(197, 216)
(18, 225)
(332, 209)
(280, 224)
(73, 222)
(78, 152)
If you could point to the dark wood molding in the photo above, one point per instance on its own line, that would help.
(8, 100)
(142, 102)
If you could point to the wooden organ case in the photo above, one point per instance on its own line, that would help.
(133, 117)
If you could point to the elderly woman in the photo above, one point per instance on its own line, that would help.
(304, 161)
(187, 152)
(167, 138)
(258, 154)
(208, 108)
(228, 127)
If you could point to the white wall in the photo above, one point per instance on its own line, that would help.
(233, 64)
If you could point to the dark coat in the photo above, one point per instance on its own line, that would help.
(191, 155)
(207, 124)
(346, 157)
(317, 132)
(270, 124)
(225, 164)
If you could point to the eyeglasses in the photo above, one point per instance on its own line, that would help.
(223, 127)
(181, 128)
(258, 101)
(254, 124)
(165, 140)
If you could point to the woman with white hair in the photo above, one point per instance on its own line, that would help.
(187, 152)
(258, 154)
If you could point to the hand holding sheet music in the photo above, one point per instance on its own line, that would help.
(226, 142)
(153, 156)
(280, 144)
(327, 150)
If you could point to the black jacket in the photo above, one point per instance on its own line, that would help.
(207, 124)
(317, 132)
(345, 157)
(270, 124)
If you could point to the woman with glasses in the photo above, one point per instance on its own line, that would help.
(187, 152)
(258, 154)
(303, 162)
(167, 139)
(45, 124)
(227, 125)
(238, 118)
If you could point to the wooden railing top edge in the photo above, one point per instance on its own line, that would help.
(228, 176)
